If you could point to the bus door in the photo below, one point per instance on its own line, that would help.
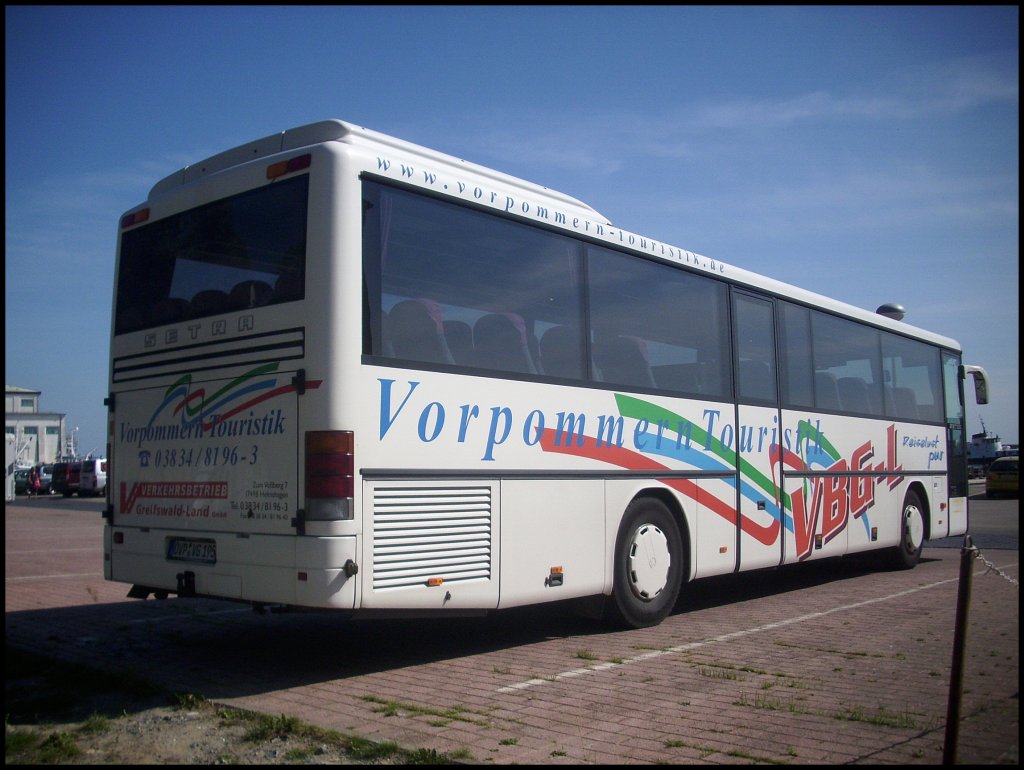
(760, 514)
(956, 444)
(953, 387)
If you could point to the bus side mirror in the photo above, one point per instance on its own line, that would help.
(980, 382)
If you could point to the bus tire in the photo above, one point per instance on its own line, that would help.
(908, 552)
(648, 565)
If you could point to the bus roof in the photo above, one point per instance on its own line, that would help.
(341, 131)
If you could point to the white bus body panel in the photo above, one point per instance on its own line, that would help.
(272, 569)
(558, 523)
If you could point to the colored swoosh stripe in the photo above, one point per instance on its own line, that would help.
(197, 406)
(627, 458)
(638, 409)
(228, 392)
(310, 385)
(751, 479)
(181, 389)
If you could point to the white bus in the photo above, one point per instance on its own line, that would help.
(351, 372)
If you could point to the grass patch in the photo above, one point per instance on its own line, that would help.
(56, 748)
(267, 728)
(96, 724)
(707, 751)
(881, 717)
(719, 671)
(42, 692)
(19, 742)
(189, 701)
(836, 651)
(762, 701)
(395, 708)
(369, 750)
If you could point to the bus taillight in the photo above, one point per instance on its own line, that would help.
(330, 485)
(142, 215)
(288, 166)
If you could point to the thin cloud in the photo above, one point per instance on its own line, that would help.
(912, 93)
(603, 144)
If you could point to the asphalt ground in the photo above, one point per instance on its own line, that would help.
(833, 662)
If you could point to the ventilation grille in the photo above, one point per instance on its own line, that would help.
(250, 350)
(431, 532)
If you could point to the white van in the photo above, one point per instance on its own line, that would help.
(94, 477)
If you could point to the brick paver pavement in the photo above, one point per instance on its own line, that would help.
(831, 664)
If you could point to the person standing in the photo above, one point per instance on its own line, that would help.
(34, 482)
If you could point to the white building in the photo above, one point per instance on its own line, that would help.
(38, 437)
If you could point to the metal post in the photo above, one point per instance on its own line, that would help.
(956, 684)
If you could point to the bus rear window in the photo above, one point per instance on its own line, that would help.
(233, 254)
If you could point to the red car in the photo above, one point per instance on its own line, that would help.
(67, 478)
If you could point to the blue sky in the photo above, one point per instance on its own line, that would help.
(865, 153)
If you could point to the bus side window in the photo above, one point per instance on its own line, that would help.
(417, 331)
(623, 361)
(853, 395)
(500, 342)
(459, 336)
(384, 347)
(561, 352)
(684, 378)
(905, 403)
(756, 380)
(826, 391)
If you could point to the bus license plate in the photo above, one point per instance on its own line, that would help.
(183, 549)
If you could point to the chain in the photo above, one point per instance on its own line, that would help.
(993, 568)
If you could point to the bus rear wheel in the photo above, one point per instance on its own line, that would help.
(648, 565)
(908, 552)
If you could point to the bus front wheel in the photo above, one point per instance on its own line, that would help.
(908, 552)
(648, 565)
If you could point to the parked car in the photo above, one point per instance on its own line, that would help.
(59, 478)
(21, 481)
(66, 478)
(46, 479)
(1003, 477)
(93, 478)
